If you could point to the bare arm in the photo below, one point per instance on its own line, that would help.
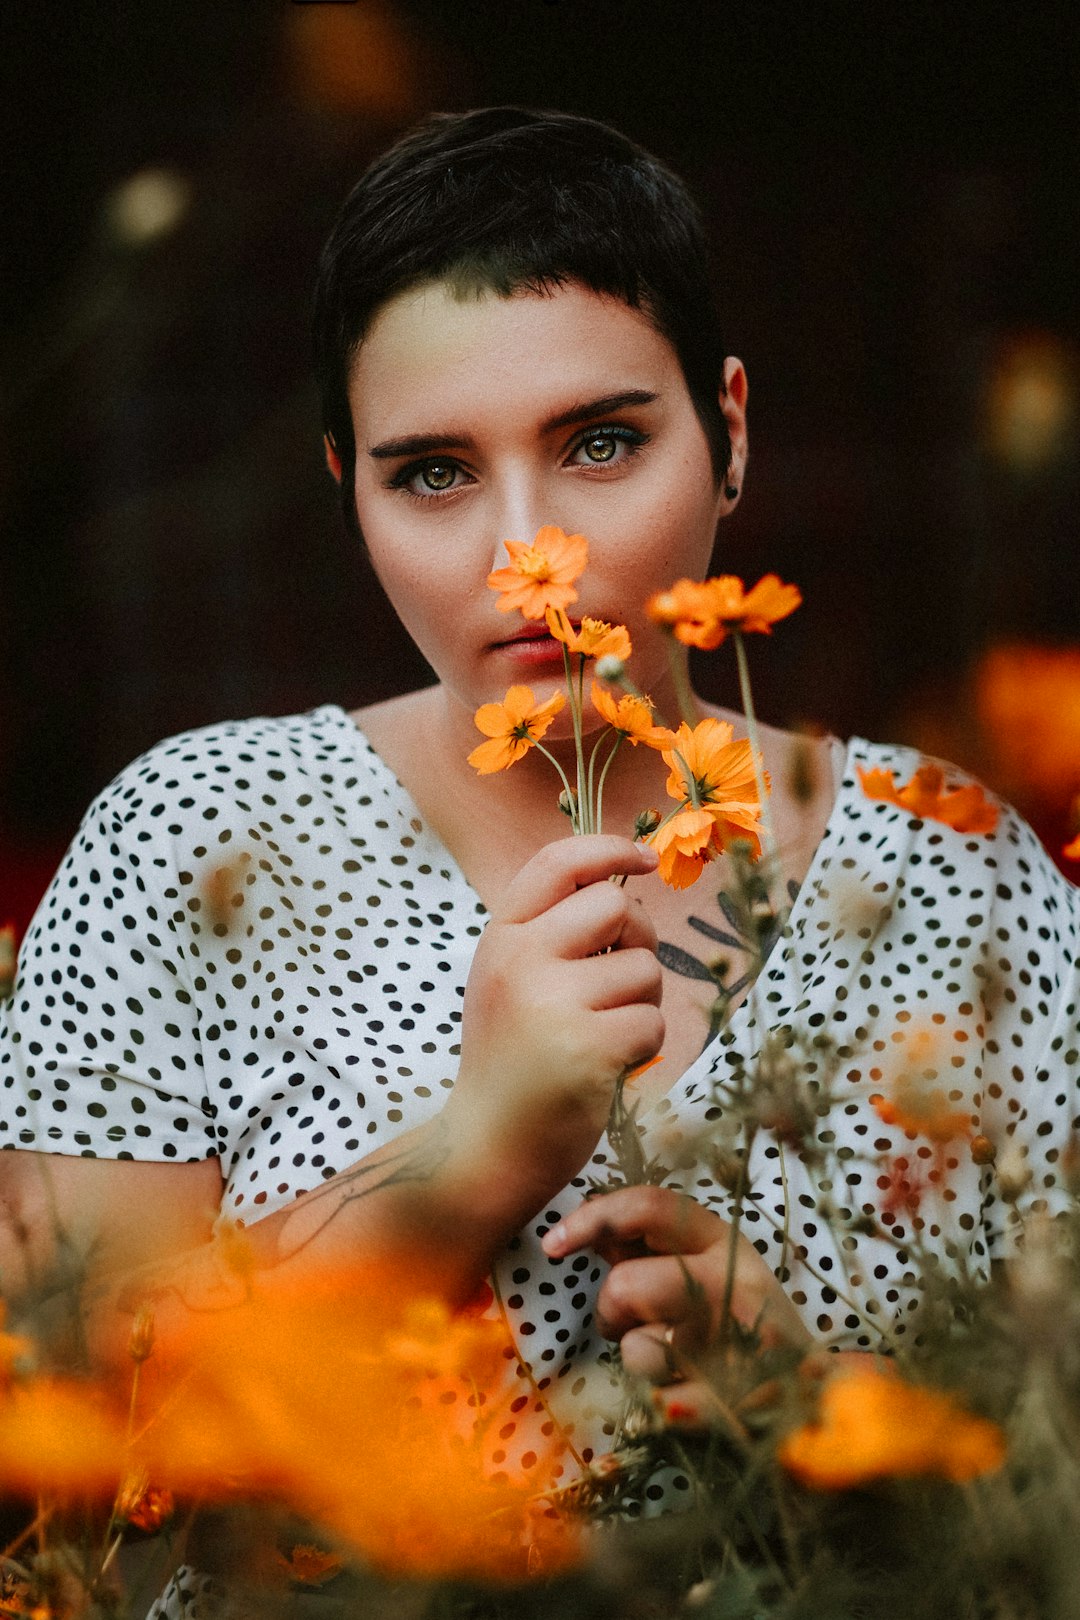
(563, 996)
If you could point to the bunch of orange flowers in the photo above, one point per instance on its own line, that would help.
(717, 783)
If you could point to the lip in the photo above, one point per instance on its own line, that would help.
(534, 647)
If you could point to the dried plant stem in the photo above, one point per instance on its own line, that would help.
(828, 1282)
(25, 1533)
(680, 678)
(755, 742)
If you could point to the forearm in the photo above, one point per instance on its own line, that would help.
(431, 1204)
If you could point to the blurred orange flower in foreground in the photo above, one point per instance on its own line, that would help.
(712, 778)
(145, 1506)
(310, 1566)
(367, 1407)
(60, 1433)
(875, 1426)
(592, 639)
(1071, 851)
(702, 613)
(541, 575)
(513, 726)
(355, 1400)
(965, 809)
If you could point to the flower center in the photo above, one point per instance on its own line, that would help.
(535, 565)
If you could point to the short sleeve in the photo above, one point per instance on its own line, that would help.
(99, 1042)
(1030, 995)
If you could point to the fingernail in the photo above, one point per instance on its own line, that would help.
(651, 857)
(554, 1240)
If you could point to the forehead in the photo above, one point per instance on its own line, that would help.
(431, 352)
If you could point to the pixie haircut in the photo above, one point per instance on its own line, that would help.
(509, 200)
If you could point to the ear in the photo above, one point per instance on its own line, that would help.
(333, 460)
(733, 392)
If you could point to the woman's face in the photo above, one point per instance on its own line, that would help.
(480, 420)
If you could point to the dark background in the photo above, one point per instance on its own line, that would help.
(893, 193)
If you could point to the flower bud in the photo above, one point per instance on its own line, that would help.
(646, 823)
(141, 1342)
(568, 803)
(609, 668)
(1014, 1174)
(983, 1150)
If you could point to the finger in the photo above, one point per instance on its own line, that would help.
(593, 919)
(619, 979)
(560, 868)
(693, 1404)
(653, 1352)
(658, 1288)
(631, 1035)
(667, 1221)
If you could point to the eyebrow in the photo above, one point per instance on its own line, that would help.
(421, 444)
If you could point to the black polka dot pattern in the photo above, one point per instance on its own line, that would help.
(256, 949)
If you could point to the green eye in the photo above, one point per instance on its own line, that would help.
(599, 448)
(438, 475)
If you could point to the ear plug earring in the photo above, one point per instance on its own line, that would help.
(730, 491)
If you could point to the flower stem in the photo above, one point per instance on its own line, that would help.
(755, 741)
(576, 817)
(684, 692)
(573, 692)
(600, 784)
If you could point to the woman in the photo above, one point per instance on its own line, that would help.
(319, 974)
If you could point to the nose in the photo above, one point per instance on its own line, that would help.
(518, 511)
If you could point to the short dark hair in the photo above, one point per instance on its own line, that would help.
(507, 199)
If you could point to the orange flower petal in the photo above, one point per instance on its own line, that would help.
(1071, 851)
(723, 775)
(630, 715)
(702, 613)
(685, 844)
(966, 809)
(592, 639)
(512, 726)
(687, 610)
(541, 575)
(875, 1426)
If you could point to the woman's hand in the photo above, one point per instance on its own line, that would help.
(665, 1307)
(563, 997)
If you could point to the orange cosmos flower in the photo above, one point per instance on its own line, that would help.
(513, 726)
(702, 614)
(723, 778)
(62, 1434)
(686, 844)
(687, 611)
(966, 809)
(406, 1397)
(630, 716)
(541, 575)
(593, 639)
(922, 1110)
(145, 1506)
(310, 1566)
(1071, 851)
(874, 1426)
